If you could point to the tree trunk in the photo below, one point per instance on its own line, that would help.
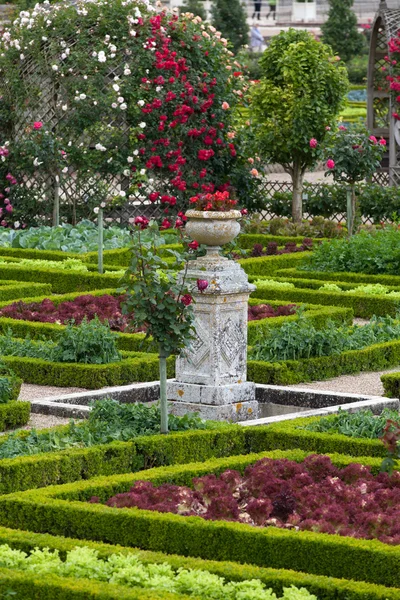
(297, 199)
(56, 206)
(163, 391)
(351, 209)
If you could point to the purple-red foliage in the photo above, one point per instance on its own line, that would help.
(265, 311)
(107, 308)
(313, 495)
(290, 247)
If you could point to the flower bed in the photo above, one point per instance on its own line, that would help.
(65, 510)
(313, 495)
(272, 248)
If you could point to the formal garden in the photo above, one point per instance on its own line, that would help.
(158, 302)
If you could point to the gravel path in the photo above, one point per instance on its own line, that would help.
(35, 392)
(363, 383)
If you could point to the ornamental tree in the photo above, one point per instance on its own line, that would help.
(158, 297)
(136, 99)
(229, 17)
(299, 95)
(353, 155)
(340, 30)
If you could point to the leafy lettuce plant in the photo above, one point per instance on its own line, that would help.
(361, 424)
(128, 570)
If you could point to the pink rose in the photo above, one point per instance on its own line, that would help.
(373, 139)
(202, 284)
(382, 142)
(225, 106)
(254, 172)
(37, 125)
(330, 163)
(313, 143)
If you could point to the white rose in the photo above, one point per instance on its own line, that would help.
(17, 224)
(127, 72)
(114, 105)
(82, 96)
(116, 87)
(96, 210)
(130, 159)
(101, 56)
(123, 106)
(54, 67)
(122, 193)
(142, 125)
(127, 172)
(121, 99)
(141, 103)
(136, 152)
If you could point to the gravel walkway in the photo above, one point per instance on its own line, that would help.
(35, 392)
(363, 383)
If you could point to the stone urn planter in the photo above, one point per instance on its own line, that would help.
(213, 228)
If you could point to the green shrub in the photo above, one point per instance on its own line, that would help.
(300, 339)
(364, 253)
(64, 510)
(373, 358)
(361, 424)
(325, 588)
(14, 414)
(268, 265)
(391, 385)
(92, 342)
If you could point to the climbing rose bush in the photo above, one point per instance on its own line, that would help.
(146, 95)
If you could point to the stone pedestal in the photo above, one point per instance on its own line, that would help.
(211, 373)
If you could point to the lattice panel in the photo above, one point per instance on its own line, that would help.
(381, 113)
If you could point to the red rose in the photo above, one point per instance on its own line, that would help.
(187, 299)
(202, 284)
(194, 245)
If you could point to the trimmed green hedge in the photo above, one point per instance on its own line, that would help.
(373, 358)
(247, 240)
(64, 510)
(325, 588)
(144, 452)
(14, 414)
(290, 434)
(29, 586)
(267, 265)
(389, 280)
(15, 290)
(391, 385)
(134, 366)
(363, 305)
(62, 281)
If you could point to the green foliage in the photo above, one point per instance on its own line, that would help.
(229, 17)
(70, 264)
(272, 284)
(128, 570)
(377, 252)
(356, 154)
(91, 342)
(340, 30)
(109, 421)
(156, 298)
(300, 93)
(65, 509)
(361, 424)
(327, 588)
(299, 339)
(194, 6)
(357, 69)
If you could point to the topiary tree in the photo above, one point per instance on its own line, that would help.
(194, 6)
(124, 94)
(229, 17)
(298, 97)
(340, 30)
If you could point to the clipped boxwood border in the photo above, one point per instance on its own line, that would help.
(363, 305)
(267, 265)
(134, 366)
(389, 280)
(64, 510)
(325, 588)
(391, 384)
(247, 240)
(14, 414)
(290, 434)
(372, 358)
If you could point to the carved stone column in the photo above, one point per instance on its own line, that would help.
(211, 374)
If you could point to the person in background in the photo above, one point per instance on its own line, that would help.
(256, 39)
(272, 9)
(257, 10)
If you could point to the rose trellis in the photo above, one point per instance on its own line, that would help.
(133, 103)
